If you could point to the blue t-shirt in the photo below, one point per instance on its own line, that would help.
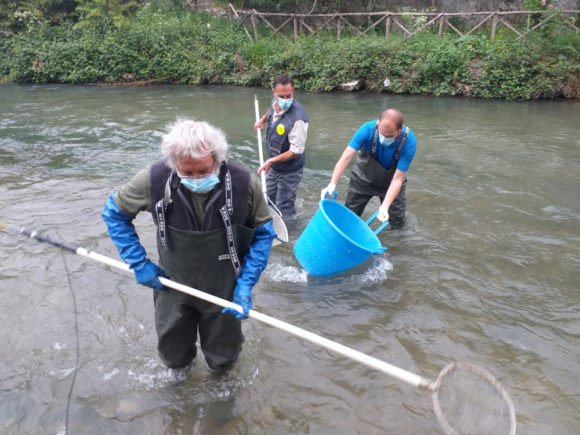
(385, 155)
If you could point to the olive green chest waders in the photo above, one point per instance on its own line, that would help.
(200, 260)
(207, 257)
(369, 178)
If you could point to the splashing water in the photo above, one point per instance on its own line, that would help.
(279, 272)
(374, 271)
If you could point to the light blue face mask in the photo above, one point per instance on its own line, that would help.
(285, 104)
(200, 185)
(386, 141)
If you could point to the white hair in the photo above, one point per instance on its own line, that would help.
(197, 139)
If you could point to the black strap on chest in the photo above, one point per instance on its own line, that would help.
(375, 141)
(229, 192)
(161, 208)
(231, 241)
(226, 211)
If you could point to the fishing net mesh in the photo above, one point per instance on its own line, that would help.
(469, 400)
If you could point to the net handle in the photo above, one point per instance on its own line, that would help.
(449, 430)
(389, 369)
(355, 355)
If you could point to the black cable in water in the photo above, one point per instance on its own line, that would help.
(74, 299)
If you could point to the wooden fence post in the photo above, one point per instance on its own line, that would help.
(493, 26)
(388, 27)
(240, 21)
(295, 28)
(441, 25)
(253, 17)
(338, 24)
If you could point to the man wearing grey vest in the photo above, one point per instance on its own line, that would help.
(286, 130)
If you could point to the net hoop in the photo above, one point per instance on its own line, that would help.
(481, 372)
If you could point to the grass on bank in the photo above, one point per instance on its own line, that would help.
(168, 45)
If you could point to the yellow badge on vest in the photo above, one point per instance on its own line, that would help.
(280, 129)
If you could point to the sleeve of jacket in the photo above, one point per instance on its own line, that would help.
(123, 234)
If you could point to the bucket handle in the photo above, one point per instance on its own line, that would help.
(330, 196)
(379, 229)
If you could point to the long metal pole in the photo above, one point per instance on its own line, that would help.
(389, 369)
(279, 225)
(260, 152)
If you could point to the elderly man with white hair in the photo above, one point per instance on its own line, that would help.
(214, 233)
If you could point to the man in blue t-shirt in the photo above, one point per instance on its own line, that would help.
(386, 149)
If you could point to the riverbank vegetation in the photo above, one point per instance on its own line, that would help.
(121, 42)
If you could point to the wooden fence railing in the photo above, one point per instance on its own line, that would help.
(410, 23)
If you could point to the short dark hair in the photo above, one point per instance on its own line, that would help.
(283, 79)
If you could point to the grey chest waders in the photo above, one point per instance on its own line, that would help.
(370, 172)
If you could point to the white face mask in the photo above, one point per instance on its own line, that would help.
(386, 141)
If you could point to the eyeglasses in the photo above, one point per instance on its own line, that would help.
(204, 172)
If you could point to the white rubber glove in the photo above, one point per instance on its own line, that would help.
(383, 215)
(327, 190)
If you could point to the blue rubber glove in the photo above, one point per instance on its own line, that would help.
(148, 273)
(243, 297)
(125, 238)
(255, 262)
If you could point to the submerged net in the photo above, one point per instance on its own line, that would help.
(469, 400)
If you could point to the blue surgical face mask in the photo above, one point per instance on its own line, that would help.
(202, 184)
(386, 141)
(285, 104)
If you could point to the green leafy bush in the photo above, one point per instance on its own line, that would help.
(165, 42)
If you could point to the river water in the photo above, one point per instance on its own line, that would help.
(485, 271)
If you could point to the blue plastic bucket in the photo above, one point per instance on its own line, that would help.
(335, 240)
